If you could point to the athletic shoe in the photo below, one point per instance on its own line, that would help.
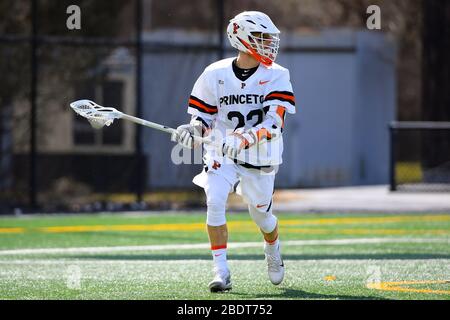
(275, 267)
(221, 281)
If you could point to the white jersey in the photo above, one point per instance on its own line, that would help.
(231, 103)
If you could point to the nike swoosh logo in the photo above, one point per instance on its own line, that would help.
(217, 255)
(261, 205)
(263, 82)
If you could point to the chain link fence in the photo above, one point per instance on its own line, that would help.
(56, 52)
(420, 156)
(51, 160)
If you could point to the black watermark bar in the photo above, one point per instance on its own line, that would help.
(220, 309)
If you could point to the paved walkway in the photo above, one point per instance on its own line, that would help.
(355, 199)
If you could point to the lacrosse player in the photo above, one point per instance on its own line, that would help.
(242, 103)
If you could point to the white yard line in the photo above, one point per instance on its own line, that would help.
(75, 262)
(333, 242)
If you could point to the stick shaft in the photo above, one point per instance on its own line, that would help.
(149, 124)
(161, 127)
(113, 113)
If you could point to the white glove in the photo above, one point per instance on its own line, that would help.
(238, 140)
(185, 133)
(184, 136)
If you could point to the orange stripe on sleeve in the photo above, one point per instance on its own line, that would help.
(283, 96)
(201, 106)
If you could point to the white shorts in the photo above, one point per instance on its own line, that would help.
(255, 186)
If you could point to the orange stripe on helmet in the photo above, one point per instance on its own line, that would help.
(264, 60)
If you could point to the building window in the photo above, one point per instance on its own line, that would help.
(109, 94)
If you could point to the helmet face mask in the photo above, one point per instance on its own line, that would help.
(265, 44)
(254, 33)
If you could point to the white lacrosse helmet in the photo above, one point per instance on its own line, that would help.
(254, 33)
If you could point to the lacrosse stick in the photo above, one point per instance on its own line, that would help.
(99, 116)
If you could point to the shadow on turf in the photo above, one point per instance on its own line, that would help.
(300, 294)
(175, 256)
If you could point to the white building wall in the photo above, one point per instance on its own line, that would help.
(345, 90)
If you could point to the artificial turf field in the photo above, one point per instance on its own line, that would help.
(166, 256)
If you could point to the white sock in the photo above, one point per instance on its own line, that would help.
(272, 248)
(220, 259)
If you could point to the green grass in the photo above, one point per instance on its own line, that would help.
(183, 273)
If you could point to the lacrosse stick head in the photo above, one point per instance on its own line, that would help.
(97, 115)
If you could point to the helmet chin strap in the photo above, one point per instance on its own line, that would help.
(264, 60)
